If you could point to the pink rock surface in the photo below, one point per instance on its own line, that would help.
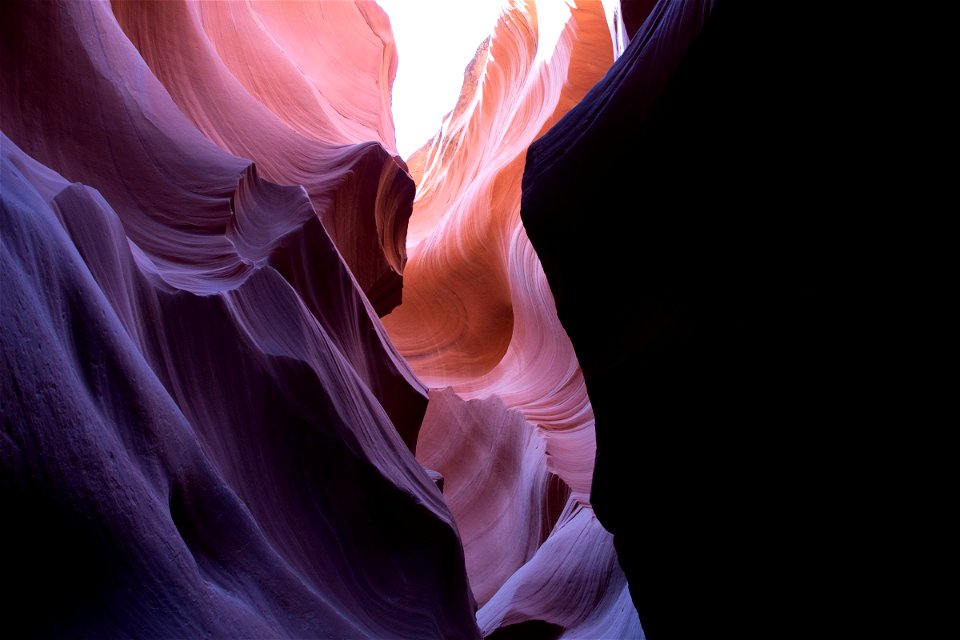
(207, 431)
(496, 483)
(478, 317)
(477, 312)
(294, 86)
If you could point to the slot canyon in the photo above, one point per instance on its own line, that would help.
(264, 377)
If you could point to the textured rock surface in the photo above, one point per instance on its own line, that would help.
(478, 317)
(496, 483)
(288, 84)
(477, 312)
(207, 431)
(204, 421)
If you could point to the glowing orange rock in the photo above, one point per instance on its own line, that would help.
(478, 316)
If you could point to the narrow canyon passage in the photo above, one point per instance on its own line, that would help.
(478, 325)
(267, 375)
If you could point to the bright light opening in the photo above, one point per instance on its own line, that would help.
(552, 17)
(436, 39)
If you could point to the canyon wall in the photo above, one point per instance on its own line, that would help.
(206, 429)
(478, 319)
(264, 378)
(679, 211)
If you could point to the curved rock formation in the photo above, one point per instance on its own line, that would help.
(478, 316)
(207, 429)
(288, 85)
(573, 587)
(205, 424)
(170, 186)
(496, 483)
(477, 312)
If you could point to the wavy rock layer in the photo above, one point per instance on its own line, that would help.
(478, 317)
(288, 85)
(206, 430)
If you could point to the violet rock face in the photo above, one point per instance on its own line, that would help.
(206, 429)
(262, 377)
